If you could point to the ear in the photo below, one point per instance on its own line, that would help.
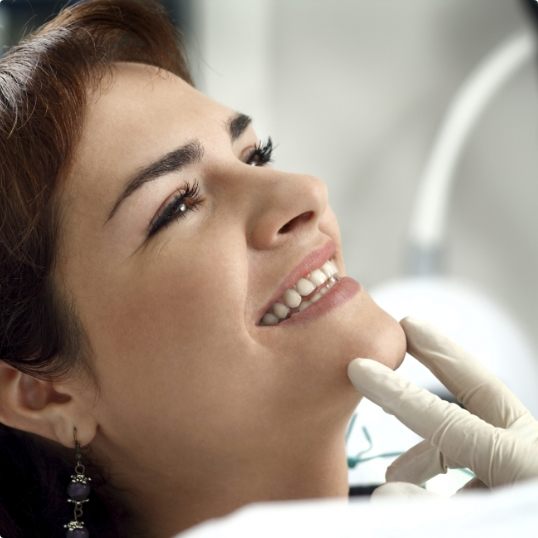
(46, 408)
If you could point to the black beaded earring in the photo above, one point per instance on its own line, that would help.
(78, 491)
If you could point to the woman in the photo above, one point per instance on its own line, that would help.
(144, 244)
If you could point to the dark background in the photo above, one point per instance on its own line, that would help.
(22, 16)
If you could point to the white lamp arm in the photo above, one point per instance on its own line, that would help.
(428, 221)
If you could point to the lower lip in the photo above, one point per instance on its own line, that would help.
(341, 292)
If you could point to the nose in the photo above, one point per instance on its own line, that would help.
(285, 204)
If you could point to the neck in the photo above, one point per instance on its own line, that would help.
(318, 469)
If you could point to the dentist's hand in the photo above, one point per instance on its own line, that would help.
(495, 435)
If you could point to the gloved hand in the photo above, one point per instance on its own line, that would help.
(495, 435)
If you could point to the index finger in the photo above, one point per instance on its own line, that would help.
(481, 392)
(464, 438)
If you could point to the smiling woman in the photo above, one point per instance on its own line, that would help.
(131, 322)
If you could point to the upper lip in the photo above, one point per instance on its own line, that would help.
(311, 261)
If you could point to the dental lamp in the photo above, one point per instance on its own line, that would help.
(458, 308)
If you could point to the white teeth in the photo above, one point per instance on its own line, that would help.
(292, 298)
(318, 277)
(326, 276)
(305, 287)
(329, 268)
(280, 310)
(269, 319)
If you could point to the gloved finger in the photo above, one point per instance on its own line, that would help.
(516, 461)
(476, 388)
(419, 464)
(465, 438)
(400, 489)
(526, 427)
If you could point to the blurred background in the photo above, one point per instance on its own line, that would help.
(355, 92)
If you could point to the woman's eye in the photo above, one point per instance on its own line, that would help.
(261, 154)
(187, 199)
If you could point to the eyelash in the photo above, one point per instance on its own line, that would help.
(189, 195)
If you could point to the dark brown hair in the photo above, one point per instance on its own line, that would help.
(44, 83)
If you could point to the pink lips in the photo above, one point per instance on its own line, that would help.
(312, 261)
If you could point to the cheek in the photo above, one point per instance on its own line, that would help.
(179, 335)
(180, 318)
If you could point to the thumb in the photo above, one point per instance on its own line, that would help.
(419, 464)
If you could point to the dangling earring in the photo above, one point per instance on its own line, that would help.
(78, 491)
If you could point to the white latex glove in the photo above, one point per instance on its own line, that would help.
(495, 436)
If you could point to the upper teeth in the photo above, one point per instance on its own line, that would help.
(293, 297)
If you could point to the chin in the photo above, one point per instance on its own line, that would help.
(362, 330)
(358, 328)
(317, 374)
(369, 332)
(389, 344)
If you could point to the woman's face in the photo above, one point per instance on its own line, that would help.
(173, 316)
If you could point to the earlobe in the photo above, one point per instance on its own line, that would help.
(37, 406)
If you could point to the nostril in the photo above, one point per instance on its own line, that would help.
(296, 220)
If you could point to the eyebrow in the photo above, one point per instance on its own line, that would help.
(190, 153)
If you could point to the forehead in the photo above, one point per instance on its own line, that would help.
(141, 105)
